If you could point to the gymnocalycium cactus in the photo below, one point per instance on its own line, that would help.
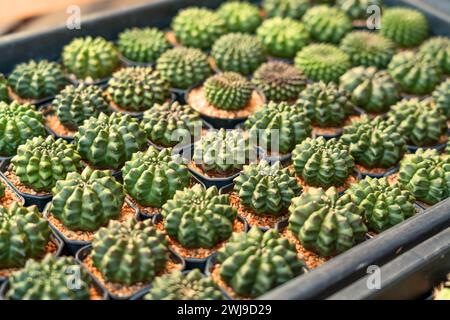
(24, 234)
(199, 218)
(73, 105)
(183, 67)
(129, 252)
(283, 37)
(286, 8)
(4, 94)
(255, 262)
(18, 123)
(322, 62)
(106, 142)
(198, 27)
(438, 49)
(138, 88)
(37, 80)
(179, 286)
(143, 45)
(290, 123)
(238, 52)
(90, 58)
(152, 177)
(441, 97)
(325, 224)
(88, 200)
(240, 16)
(370, 89)
(41, 162)
(323, 163)
(357, 9)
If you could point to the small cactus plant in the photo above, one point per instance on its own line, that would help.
(4, 92)
(438, 49)
(357, 9)
(294, 9)
(240, 16)
(441, 97)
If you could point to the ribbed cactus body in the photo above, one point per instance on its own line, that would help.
(240, 16)
(4, 92)
(286, 8)
(438, 49)
(441, 96)
(357, 9)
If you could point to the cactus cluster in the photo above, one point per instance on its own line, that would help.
(438, 49)
(4, 92)
(240, 16)
(294, 9)
(357, 9)
(441, 97)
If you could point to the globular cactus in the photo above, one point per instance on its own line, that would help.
(37, 79)
(327, 24)
(357, 9)
(179, 286)
(324, 224)
(41, 162)
(372, 90)
(438, 49)
(73, 105)
(414, 72)
(228, 91)
(441, 97)
(240, 16)
(266, 189)
(283, 37)
(198, 27)
(406, 27)
(152, 177)
(144, 45)
(285, 8)
(427, 175)
(18, 123)
(106, 142)
(88, 200)
(323, 163)
(322, 62)
(285, 124)
(129, 252)
(199, 218)
(255, 262)
(24, 235)
(48, 279)
(183, 67)
(4, 94)
(90, 58)
(170, 123)
(238, 52)
(137, 88)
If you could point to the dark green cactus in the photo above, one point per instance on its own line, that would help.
(107, 142)
(238, 52)
(2, 190)
(183, 67)
(18, 123)
(153, 177)
(255, 262)
(4, 94)
(40, 162)
(24, 235)
(357, 9)
(438, 49)
(289, 123)
(325, 224)
(323, 163)
(285, 8)
(129, 252)
(88, 200)
(138, 88)
(441, 96)
(240, 16)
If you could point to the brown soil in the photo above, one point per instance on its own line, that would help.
(363, 169)
(9, 197)
(211, 174)
(14, 179)
(95, 294)
(350, 180)
(316, 130)
(52, 121)
(16, 97)
(143, 209)
(215, 275)
(170, 36)
(118, 108)
(392, 178)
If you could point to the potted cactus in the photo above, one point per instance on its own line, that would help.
(441, 97)
(4, 91)
(357, 10)
(438, 48)
(294, 9)
(240, 16)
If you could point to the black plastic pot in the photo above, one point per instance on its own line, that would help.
(4, 163)
(438, 147)
(130, 63)
(48, 110)
(386, 173)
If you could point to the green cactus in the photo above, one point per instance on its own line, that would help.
(138, 88)
(18, 123)
(24, 235)
(438, 49)
(255, 262)
(198, 27)
(228, 91)
(427, 175)
(283, 37)
(357, 9)
(41, 162)
(37, 80)
(324, 224)
(144, 45)
(322, 62)
(73, 105)
(415, 73)
(368, 49)
(294, 9)
(406, 27)
(372, 90)
(4, 93)
(290, 125)
(441, 96)
(47, 280)
(179, 286)
(184, 67)
(107, 142)
(2, 190)
(323, 163)
(129, 252)
(90, 58)
(238, 52)
(443, 292)
(88, 200)
(240, 16)
(153, 177)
